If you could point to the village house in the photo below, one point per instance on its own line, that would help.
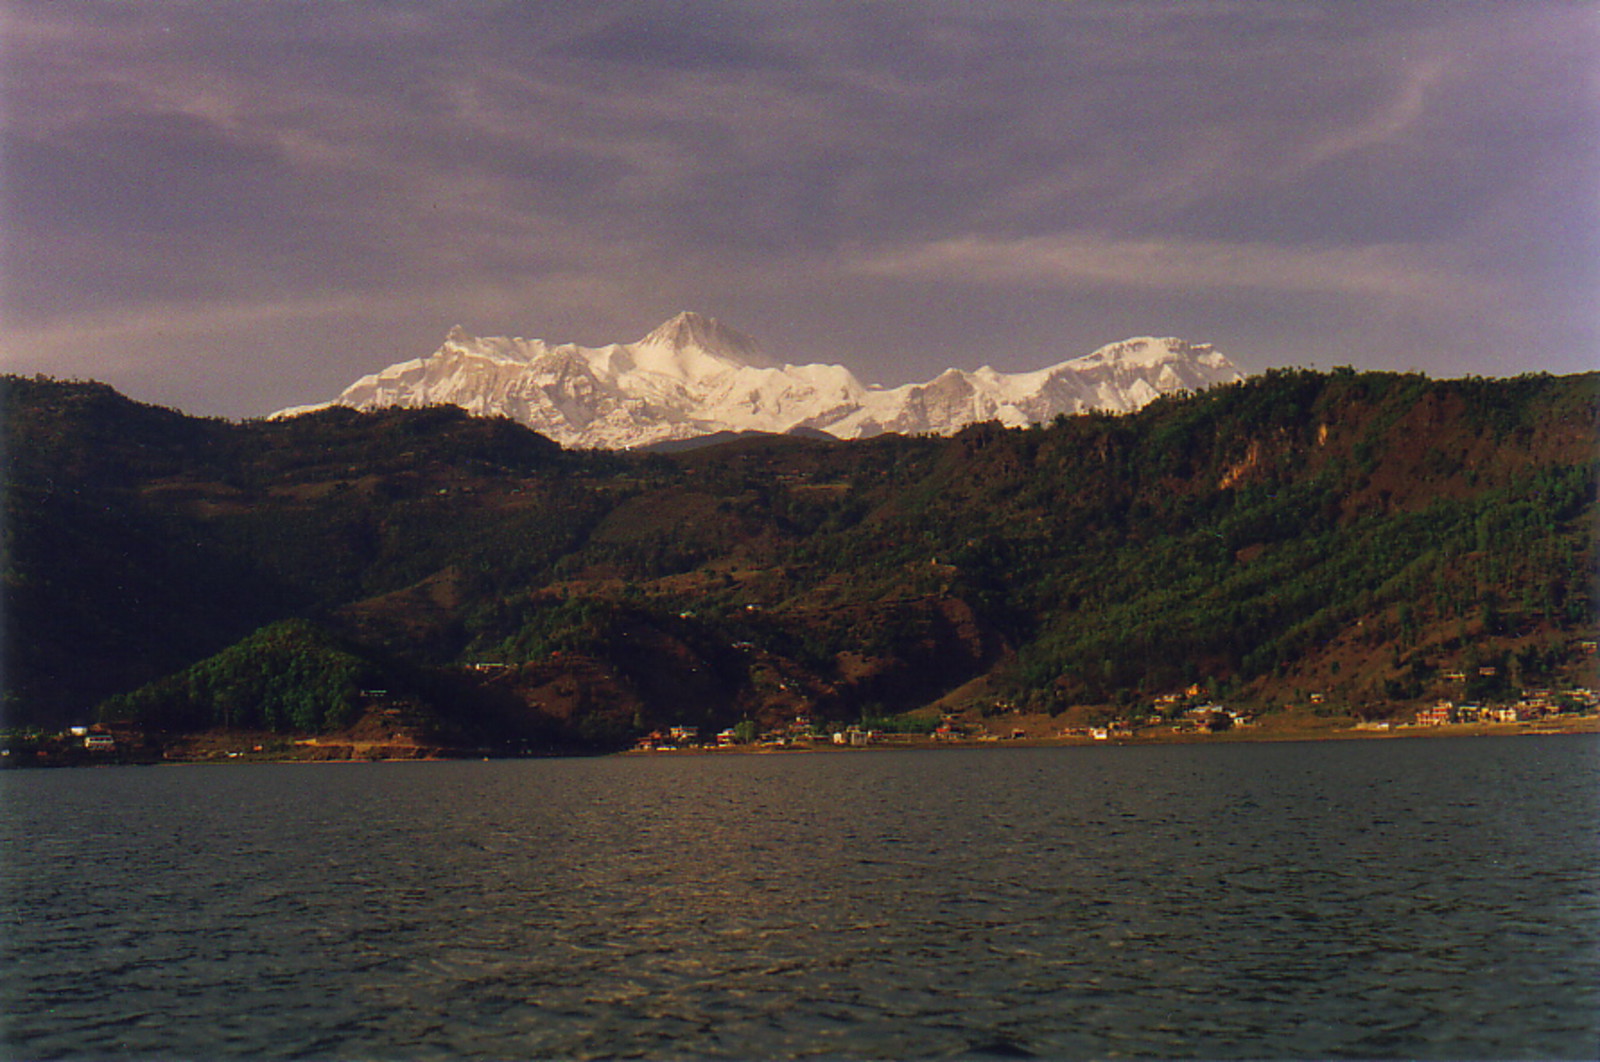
(1211, 717)
(1440, 714)
(798, 728)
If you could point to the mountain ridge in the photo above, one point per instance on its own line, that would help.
(1365, 536)
(693, 375)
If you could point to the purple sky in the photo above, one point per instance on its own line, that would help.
(233, 207)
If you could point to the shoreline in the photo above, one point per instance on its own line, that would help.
(1587, 724)
(1243, 735)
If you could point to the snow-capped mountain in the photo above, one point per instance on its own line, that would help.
(694, 375)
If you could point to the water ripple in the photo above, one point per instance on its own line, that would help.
(1411, 899)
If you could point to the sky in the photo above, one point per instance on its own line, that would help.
(234, 207)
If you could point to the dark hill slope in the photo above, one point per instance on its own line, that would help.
(1359, 535)
(1240, 536)
(137, 540)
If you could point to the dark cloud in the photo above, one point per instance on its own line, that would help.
(315, 190)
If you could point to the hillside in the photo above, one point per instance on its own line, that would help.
(1375, 540)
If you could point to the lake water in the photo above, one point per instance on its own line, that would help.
(1380, 899)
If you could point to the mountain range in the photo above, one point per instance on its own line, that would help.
(1379, 541)
(695, 376)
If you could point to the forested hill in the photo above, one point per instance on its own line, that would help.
(1365, 536)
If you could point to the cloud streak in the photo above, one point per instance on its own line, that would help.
(1187, 265)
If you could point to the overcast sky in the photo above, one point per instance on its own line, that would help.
(233, 207)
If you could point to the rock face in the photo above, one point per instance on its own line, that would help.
(694, 375)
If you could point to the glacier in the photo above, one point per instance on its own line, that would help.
(694, 375)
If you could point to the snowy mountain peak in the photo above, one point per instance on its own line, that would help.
(692, 330)
(1145, 351)
(693, 375)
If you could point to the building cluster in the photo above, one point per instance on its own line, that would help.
(677, 737)
(67, 745)
(1207, 718)
(800, 730)
(1532, 706)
